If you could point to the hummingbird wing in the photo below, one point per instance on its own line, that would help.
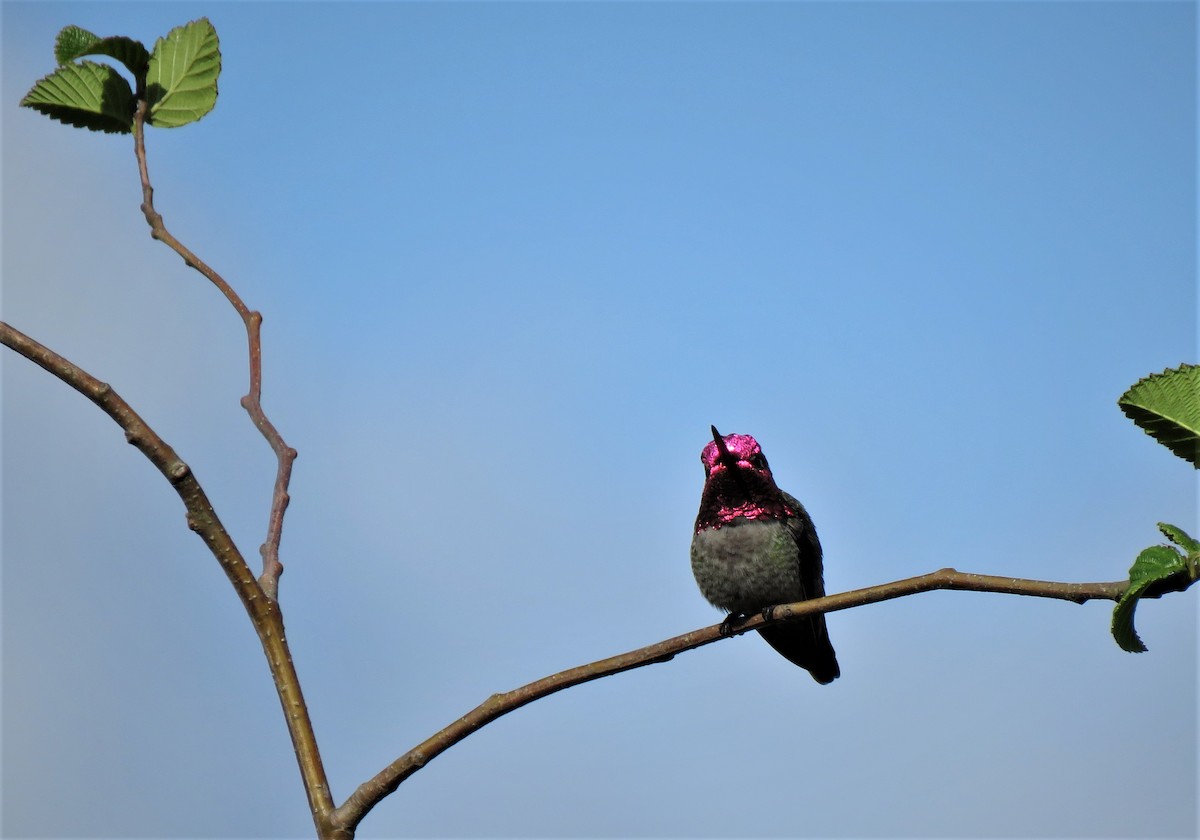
(805, 642)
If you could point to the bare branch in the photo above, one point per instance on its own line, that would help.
(371, 792)
(272, 568)
(264, 612)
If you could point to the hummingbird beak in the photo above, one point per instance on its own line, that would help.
(722, 450)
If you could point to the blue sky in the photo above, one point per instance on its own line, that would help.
(513, 260)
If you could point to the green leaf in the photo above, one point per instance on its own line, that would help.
(88, 95)
(1180, 580)
(181, 85)
(1158, 566)
(1180, 537)
(1167, 407)
(73, 42)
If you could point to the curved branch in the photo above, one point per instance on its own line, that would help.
(252, 401)
(370, 793)
(264, 612)
(268, 622)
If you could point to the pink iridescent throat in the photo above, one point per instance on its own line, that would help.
(745, 512)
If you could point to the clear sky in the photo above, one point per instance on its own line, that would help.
(513, 260)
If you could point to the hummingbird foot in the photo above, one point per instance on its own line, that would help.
(729, 625)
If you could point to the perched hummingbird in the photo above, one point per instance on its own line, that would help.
(755, 547)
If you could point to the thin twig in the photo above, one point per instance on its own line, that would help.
(272, 568)
(370, 793)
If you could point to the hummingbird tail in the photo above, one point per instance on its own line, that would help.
(805, 643)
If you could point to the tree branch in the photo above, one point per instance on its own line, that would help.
(373, 791)
(201, 518)
(343, 821)
(272, 567)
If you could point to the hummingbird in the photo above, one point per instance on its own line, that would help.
(755, 546)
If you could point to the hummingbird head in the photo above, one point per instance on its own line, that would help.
(737, 483)
(733, 453)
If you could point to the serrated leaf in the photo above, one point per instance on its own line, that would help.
(181, 85)
(1180, 537)
(87, 95)
(1157, 564)
(73, 42)
(1122, 627)
(1167, 407)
